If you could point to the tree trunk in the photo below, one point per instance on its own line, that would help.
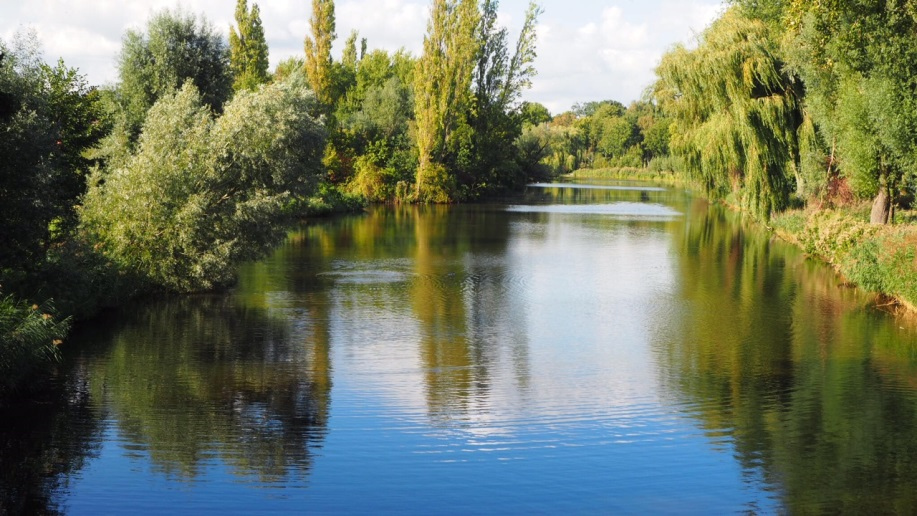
(881, 207)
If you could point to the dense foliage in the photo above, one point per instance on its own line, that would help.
(594, 135)
(48, 116)
(785, 97)
(201, 195)
(177, 47)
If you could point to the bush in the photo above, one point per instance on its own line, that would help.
(328, 200)
(29, 336)
(886, 263)
(202, 195)
(832, 235)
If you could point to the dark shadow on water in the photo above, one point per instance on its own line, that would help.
(45, 441)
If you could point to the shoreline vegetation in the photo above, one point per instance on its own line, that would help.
(198, 158)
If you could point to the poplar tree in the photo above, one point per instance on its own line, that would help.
(442, 92)
(318, 52)
(499, 77)
(248, 48)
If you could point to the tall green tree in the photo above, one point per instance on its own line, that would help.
(248, 52)
(502, 73)
(442, 92)
(736, 113)
(318, 52)
(176, 47)
(858, 60)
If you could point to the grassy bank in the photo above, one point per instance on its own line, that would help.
(877, 258)
(666, 177)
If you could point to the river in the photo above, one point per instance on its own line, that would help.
(606, 348)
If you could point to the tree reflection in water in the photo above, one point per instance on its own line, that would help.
(191, 378)
(806, 396)
(44, 442)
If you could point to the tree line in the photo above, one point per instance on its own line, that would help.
(785, 102)
(199, 157)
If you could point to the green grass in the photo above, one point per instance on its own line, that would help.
(880, 259)
(628, 173)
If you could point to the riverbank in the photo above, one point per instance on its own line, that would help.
(879, 259)
(75, 284)
(666, 177)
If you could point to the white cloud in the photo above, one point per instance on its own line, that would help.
(388, 24)
(588, 49)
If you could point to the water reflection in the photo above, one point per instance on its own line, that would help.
(553, 356)
(460, 300)
(42, 444)
(194, 378)
(423, 278)
(791, 371)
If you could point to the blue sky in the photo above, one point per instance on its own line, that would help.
(588, 50)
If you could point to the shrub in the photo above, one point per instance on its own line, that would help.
(29, 336)
(831, 235)
(201, 195)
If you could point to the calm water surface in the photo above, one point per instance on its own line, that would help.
(590, 349)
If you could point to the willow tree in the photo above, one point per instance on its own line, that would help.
(442, 92)
(318, 51)
(202, 194)
(737, 119)
(248, 54)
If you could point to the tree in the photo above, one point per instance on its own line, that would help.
(534, 113)
(375, 121)
(248, 53)
(858, 60)
(500, 78)
(588, 109)
(50, 118)
(287, 68)
(736, 113)
(442, 92)
(201, 195)
(318, 52)
(617, 136)
(176, 48)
